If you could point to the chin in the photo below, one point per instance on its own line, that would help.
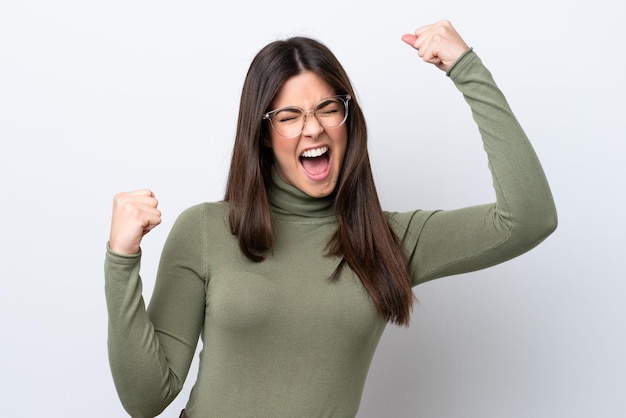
(320, 191)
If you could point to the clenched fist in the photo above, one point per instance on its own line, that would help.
(134, 215)
(438, 44)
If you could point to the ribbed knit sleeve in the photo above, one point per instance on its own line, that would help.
(150, 351)
(443, 243)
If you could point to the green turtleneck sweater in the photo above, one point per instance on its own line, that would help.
(279, 339)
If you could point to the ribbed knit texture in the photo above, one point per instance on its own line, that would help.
(279, 339)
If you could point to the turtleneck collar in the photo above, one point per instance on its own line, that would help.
(289, 200)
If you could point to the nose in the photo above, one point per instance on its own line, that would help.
(314, 128)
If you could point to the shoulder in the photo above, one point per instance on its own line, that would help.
(202, 214)
(408, 223)
(403, 218)
(205, 209)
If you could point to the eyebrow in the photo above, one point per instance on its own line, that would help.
(324, 101)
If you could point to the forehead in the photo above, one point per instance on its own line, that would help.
(304, 90)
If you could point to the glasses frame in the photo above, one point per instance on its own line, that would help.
(345, 98)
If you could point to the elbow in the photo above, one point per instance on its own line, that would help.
(142, 403)
(140, 411)
(527, 231)
(549, 221)
(539, 227)
(551, 224)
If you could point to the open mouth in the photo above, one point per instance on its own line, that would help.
(316, 161)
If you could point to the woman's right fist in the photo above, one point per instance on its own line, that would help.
(134, 215)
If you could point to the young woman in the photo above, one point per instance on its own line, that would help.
(291, 279)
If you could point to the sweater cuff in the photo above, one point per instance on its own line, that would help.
(460, 61)
(118, 258)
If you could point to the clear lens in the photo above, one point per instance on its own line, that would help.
(331, 112)
(289, 121)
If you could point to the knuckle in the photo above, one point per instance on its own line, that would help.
(118, 197)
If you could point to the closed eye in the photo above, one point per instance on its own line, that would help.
(288, 115)
(328, 107)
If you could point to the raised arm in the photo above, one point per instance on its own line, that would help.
(150, 351)
(443, 243)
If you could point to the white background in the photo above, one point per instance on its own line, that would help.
(99, 97)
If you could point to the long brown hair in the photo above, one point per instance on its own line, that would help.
(363, 238)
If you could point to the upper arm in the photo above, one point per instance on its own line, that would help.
(177, 305)
(444, 243)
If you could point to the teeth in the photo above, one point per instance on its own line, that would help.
(312, 153)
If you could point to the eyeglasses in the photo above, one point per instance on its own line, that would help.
(290, 121)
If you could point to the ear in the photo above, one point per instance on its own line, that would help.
(266, 141)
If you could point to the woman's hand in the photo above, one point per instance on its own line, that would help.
(438, 44)
(134, 215)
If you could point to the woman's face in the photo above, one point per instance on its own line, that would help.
(310, 161)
